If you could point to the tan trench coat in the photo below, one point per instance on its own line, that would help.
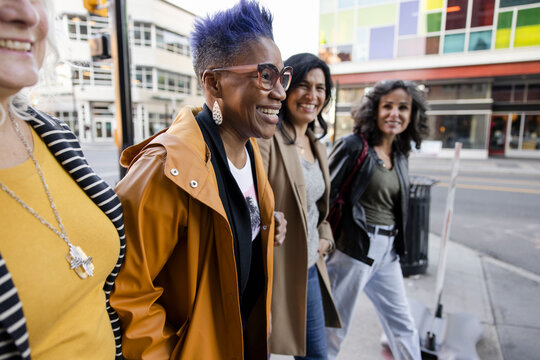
(177, 293)
(290, 260)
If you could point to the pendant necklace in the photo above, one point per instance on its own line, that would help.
(76, 257)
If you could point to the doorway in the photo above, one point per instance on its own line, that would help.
(497, 134)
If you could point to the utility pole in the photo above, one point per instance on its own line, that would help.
(121, 62)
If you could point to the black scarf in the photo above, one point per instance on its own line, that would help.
(231, 196)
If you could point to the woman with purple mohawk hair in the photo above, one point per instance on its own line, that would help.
(200, 222)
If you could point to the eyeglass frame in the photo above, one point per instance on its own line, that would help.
(259, 68)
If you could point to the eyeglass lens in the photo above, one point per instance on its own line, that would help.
(269, 77)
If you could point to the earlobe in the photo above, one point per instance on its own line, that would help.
(211, 84)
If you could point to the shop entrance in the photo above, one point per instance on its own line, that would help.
(497, 134)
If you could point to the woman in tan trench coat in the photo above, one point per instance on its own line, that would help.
(298, 173)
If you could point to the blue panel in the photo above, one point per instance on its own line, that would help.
(408, 18)
(374, 2)
(480, 40)
(342, 4)
(454, 43)
(381, 43)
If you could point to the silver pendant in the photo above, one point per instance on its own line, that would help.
(80, 262)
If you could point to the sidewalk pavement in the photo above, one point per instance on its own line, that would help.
(503, 298)
(492, 165)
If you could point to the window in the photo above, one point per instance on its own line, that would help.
(172, 42)
(531, 133)
(456, 14)
(470, 130)
(174, 82)
(482, 13)
(70, 118)
(533, 92)
(501, 93)
(458, 91)
(432, 45)
(77, 27)
(515, 129)
(142, 34)
(454, 43)
(434, 22)
(95, 73)
(527, 28)
(504, 30)
(480, 40)
(144, 77)
(350, 96)
(157, 122)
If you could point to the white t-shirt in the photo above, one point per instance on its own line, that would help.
(244, 179)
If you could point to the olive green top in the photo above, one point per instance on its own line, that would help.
(381, 196)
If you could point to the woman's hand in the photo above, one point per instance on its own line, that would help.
(324, 246)
(280, 228)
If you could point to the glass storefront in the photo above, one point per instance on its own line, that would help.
(470, 130)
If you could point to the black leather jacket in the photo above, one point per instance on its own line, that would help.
(352, 237)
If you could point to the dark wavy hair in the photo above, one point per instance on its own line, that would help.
(219, 40)
(365, 115)
(302, 64)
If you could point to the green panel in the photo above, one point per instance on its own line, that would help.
(528, 17)
(434, 4)
(505, 20)
(377, 15)
(527, 36)
(326, 29)
(527, 28)
(502, 40)
(506, 3)
(434, 22)
(454, 43)
(345, 27)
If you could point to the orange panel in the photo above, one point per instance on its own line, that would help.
(476, 71)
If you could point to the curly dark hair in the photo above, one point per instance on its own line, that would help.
(365, 115)
(302, 64)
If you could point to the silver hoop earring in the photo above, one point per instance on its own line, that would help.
(216, 114)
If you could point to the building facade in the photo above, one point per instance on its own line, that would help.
(163, 79)
(477, 60)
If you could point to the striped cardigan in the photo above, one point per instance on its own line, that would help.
(66, 149)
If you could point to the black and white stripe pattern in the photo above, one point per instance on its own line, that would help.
(65, 147)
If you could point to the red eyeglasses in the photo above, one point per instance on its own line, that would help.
(268, 74)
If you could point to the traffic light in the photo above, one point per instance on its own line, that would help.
(96, 7)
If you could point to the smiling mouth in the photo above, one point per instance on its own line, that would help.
(15, 45)
(268, 111)
(309, 107)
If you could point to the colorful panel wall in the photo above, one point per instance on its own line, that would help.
(363, 30)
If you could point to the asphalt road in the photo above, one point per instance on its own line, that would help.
(497, 215)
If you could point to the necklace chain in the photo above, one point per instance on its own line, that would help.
(76, 257)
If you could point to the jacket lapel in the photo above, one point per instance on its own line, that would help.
(293, 168)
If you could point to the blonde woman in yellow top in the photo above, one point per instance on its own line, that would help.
(61, 232)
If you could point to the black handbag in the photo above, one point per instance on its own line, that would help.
(336, 208)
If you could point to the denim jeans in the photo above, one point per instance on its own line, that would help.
(315, 332)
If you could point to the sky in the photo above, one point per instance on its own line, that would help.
(296, 22)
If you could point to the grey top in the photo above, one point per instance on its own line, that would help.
(314, 191)
(381, 197)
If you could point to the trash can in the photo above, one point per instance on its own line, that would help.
(415, 261)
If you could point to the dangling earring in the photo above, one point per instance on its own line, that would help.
(216, 114)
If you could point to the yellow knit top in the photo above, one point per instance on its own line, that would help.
(66, 315)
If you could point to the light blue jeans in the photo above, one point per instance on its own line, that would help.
(383, 284)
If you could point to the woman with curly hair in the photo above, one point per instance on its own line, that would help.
(371, 235)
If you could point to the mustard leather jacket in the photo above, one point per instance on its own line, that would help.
(177, 293)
